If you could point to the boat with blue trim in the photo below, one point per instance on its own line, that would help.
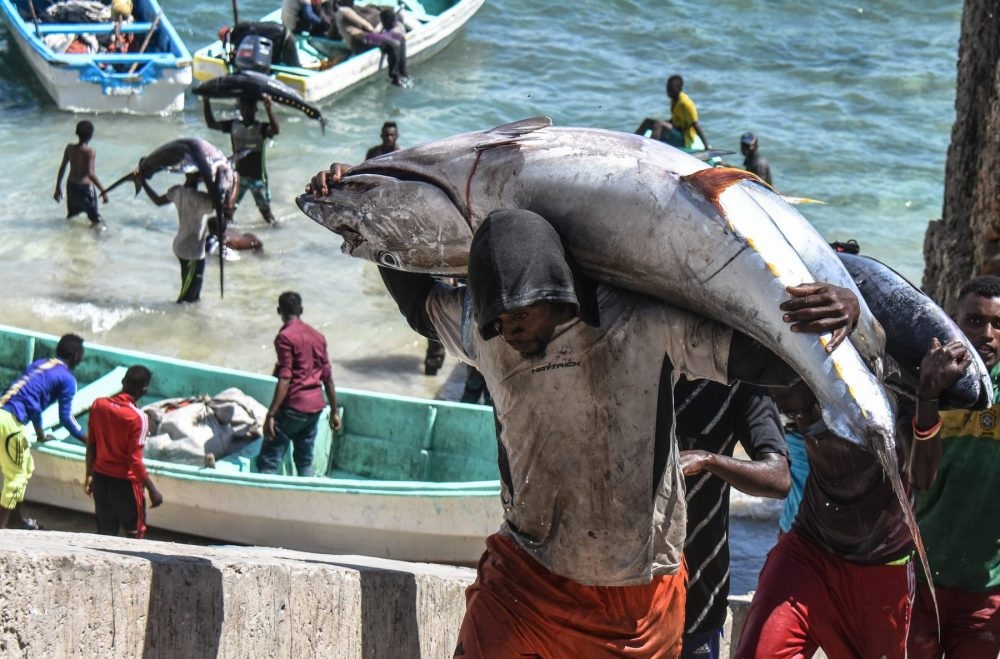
(90, 62)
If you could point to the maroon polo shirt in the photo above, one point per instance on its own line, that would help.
(302, 360)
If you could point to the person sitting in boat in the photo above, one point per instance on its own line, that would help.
(683, 129)
(360, 35)
(251, 136)
(118, 41)
(299, 16)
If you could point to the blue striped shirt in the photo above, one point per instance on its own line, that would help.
(43, 381)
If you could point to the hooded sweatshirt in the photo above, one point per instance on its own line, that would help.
(591, 486)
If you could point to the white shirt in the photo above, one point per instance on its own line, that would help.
(194, 208)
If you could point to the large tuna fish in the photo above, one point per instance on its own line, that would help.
(634, 213)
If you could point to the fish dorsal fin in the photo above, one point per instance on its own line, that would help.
(510, 134)
(515, 128)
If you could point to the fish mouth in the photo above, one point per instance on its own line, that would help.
(353, 239)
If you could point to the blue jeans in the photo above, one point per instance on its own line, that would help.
(295, 427)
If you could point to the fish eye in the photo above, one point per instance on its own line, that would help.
(389, 259)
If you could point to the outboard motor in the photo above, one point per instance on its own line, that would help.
(254, 54)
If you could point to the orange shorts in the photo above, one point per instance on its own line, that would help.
(517, 608)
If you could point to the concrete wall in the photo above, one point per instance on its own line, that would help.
(83, 595)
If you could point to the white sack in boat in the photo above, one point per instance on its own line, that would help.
(185, 430)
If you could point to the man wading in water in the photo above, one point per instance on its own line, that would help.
(588, 561)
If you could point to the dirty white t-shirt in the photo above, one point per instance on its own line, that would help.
(194, 208)
(579, 426)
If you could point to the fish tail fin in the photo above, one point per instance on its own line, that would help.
(128, 177)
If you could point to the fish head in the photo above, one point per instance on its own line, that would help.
(405, 224)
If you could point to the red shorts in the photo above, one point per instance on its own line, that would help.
(970, 624)
(808, 599)
(517, 608)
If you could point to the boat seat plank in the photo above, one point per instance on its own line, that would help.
(385, 439)
(107, 385)
(463, 444)
(91, 28)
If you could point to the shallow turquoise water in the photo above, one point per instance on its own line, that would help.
(852, 101)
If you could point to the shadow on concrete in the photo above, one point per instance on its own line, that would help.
(389, 626)
(186, 606)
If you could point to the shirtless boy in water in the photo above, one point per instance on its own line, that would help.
(80, 194)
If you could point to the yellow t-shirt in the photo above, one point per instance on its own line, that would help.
(684, 115)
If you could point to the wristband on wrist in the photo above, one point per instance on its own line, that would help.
(922, 435)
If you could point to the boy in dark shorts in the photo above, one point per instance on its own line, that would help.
(80, 194)
(116, 476)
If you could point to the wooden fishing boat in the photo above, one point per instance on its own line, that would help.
(327, 65)
(405, 478)
(148, 82)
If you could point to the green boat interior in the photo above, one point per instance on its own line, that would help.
(383, 437)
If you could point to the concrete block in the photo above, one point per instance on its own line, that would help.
(77, 594)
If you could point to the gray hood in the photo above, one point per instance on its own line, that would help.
(517, 259)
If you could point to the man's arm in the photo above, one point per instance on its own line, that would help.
(154, 196)
(283, 371)
(280, 394)
(757, 424)
(815, 309)
(91, 157)
(767, 476)
(410, 291)
(940, 368)
(88, 479)
(66, 410)
(210, 119)
(273, 127)
(331, 395)
(57, 195)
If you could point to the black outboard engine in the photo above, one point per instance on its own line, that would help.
(254, 54)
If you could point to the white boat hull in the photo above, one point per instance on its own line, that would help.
(64, 77)
(74, 95)
(304, 514)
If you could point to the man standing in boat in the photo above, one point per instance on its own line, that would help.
(303, 371)
(250, 136)
(115, 474)
(42, 382)
(588, 559)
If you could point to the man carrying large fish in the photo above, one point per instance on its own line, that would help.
(588, 560)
